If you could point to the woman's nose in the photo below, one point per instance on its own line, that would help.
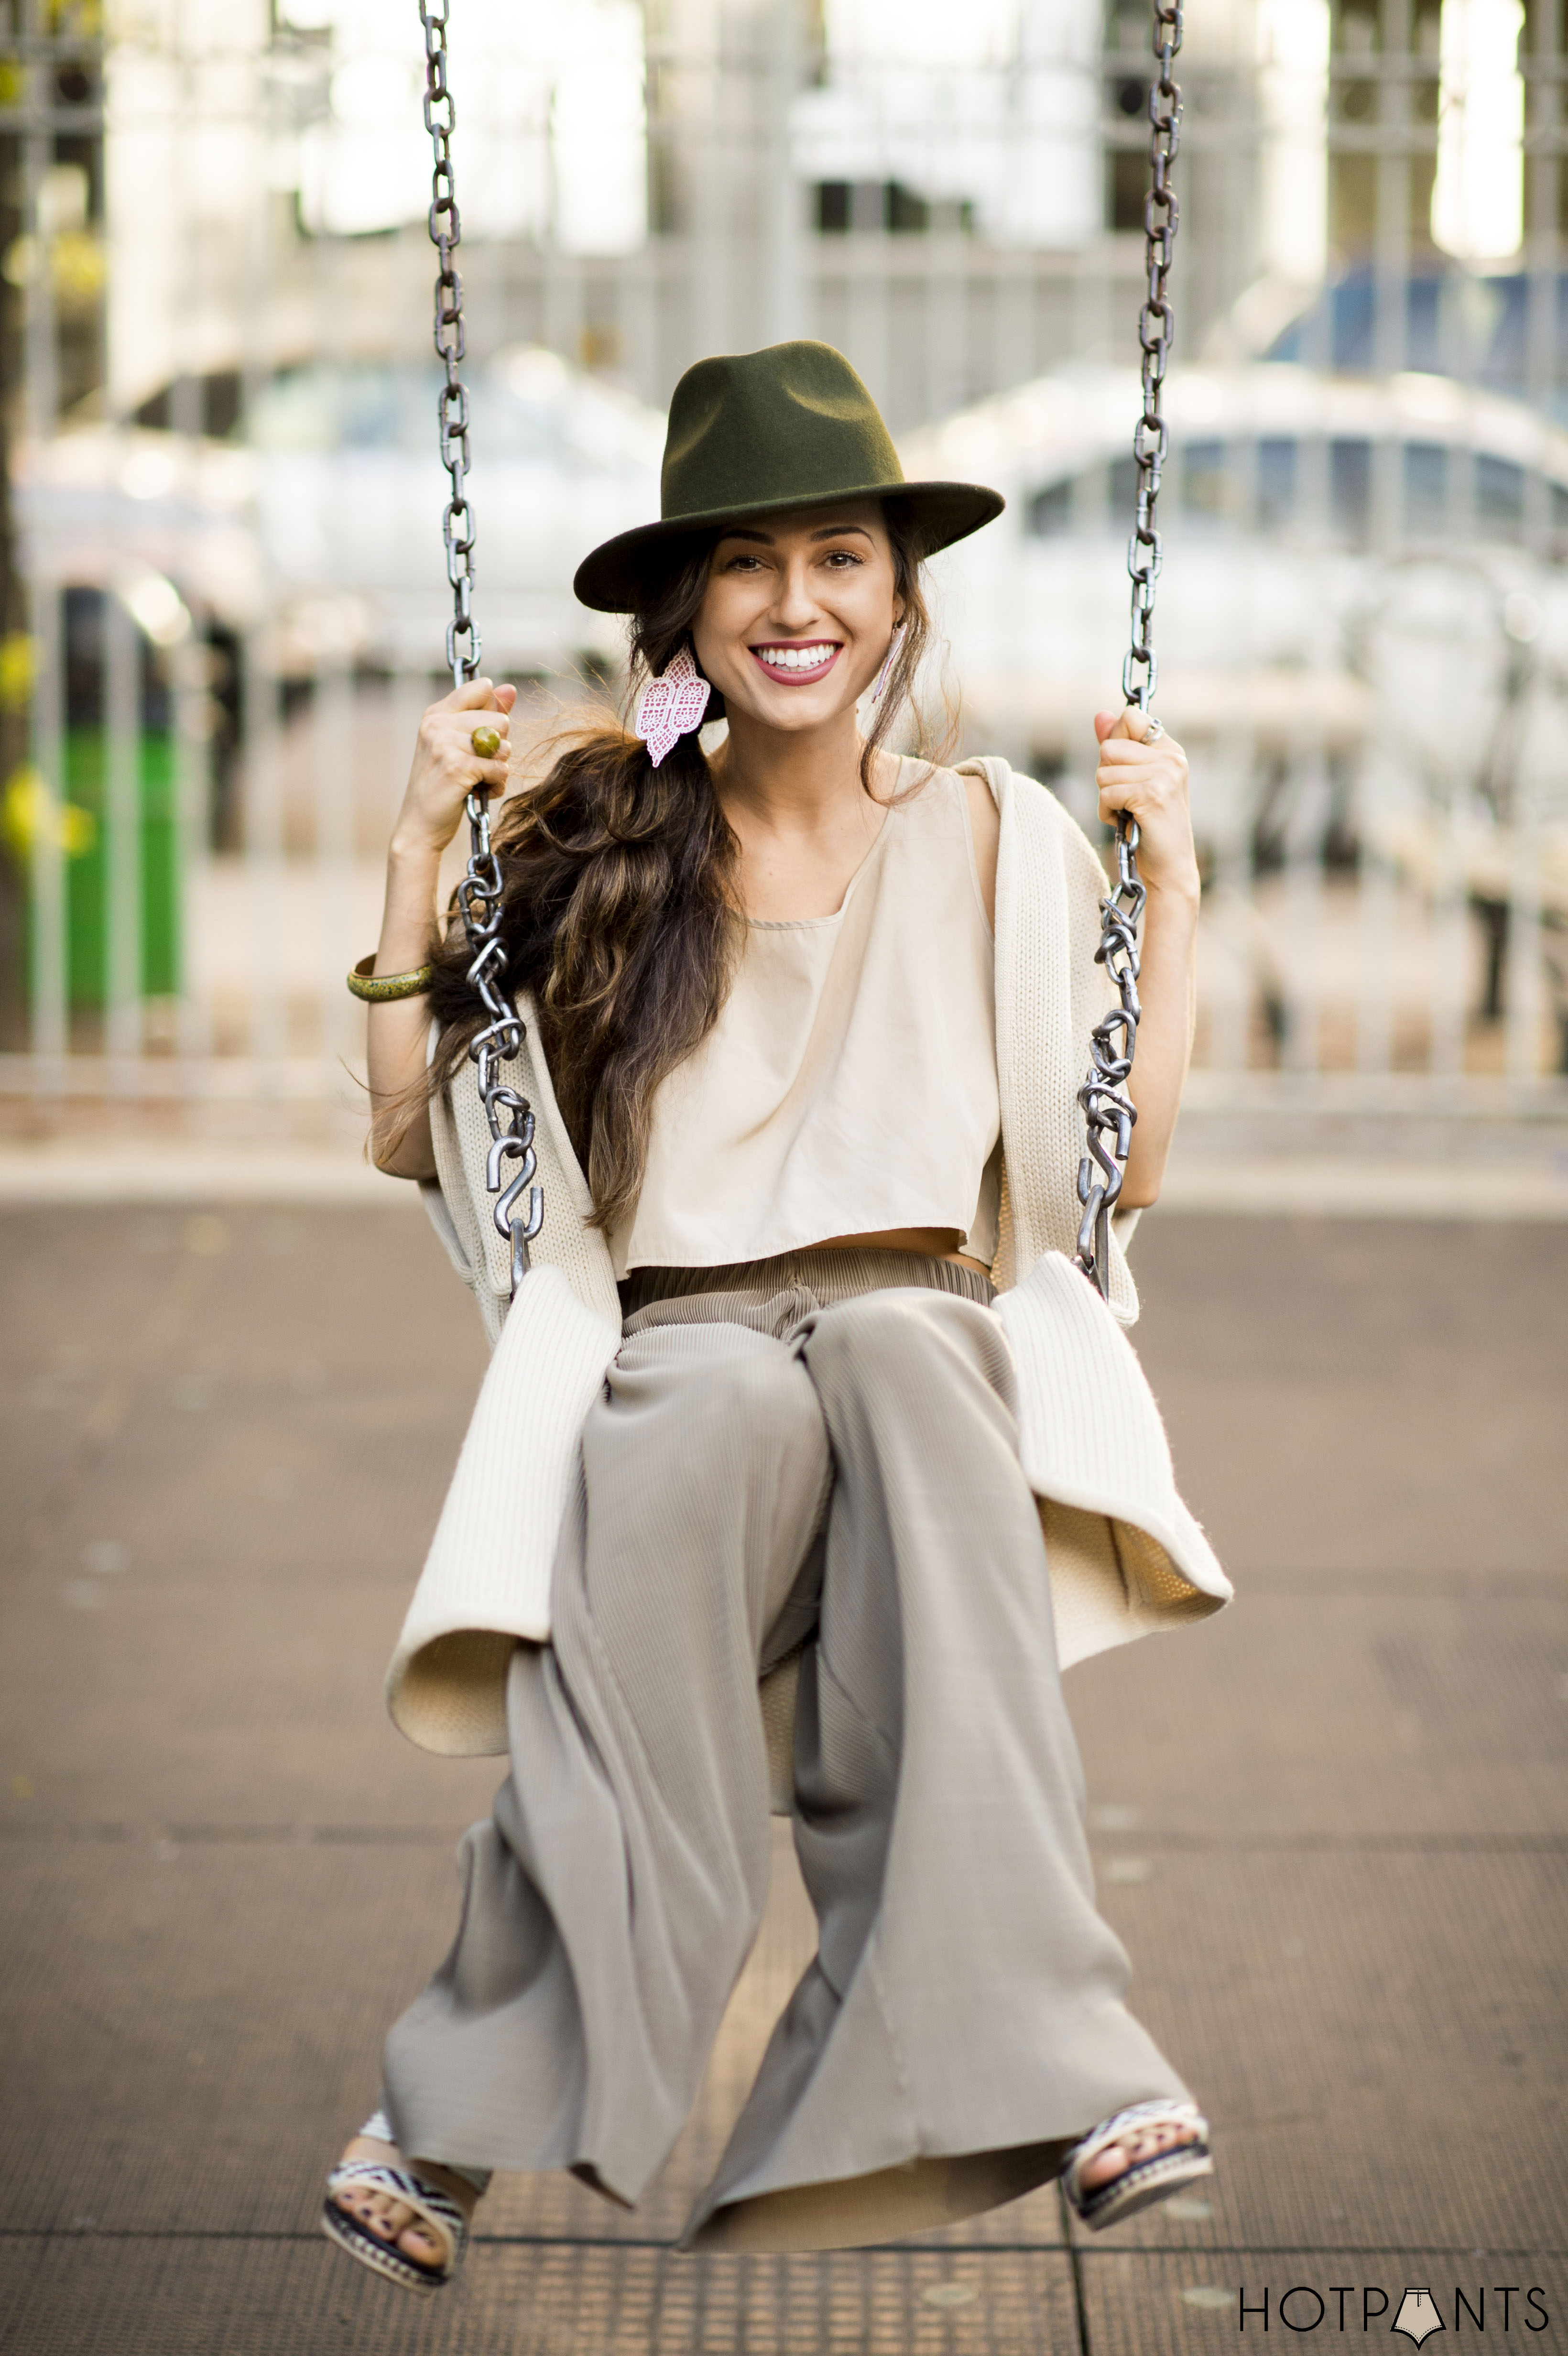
(796, 607)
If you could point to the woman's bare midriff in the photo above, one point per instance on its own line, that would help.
(936, 1243)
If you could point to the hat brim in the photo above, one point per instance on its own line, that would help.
(616, 577)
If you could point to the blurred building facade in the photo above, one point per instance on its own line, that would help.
(222, 573)
(953, 198)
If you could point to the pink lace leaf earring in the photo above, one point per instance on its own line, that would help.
(671, 706)
(888, 661)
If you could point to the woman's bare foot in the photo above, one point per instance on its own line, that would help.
(1136, 2145)
(392, 2220)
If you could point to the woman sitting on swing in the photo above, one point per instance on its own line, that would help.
(806, 1023)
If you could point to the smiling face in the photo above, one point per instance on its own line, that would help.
(798, 614)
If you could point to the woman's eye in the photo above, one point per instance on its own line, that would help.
(843, 556)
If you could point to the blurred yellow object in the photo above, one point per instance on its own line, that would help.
(77, 266)
(16, 671)
(30, 814)
(487, 744)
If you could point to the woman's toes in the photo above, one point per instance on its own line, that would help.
(1128, 2150)
(377, 2212)
(393, 2221)
(1112, 2162)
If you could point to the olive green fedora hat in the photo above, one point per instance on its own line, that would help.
(753, 434)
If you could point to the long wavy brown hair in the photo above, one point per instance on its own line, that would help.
(620, 914)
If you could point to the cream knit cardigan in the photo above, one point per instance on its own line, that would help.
(1124, 1554)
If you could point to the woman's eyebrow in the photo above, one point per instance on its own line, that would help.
(823, 532)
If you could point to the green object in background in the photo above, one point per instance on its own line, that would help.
(87, 874)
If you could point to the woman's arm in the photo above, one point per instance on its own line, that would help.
(1150, 779)
(445, 766)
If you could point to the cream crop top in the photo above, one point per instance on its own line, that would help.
(849, 1085)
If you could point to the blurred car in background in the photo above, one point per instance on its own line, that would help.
(1362, 626)
(1299, 512)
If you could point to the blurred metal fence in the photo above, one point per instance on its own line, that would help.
(225, 603)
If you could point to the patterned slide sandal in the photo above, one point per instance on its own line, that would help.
(1144, 2181)
(433, 2208)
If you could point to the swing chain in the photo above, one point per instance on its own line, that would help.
(1108, 1110)
(480, 894)
(1157, 326)
(452, 402)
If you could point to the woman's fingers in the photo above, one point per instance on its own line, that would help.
(1133, 772)
(473, 737)
(480, 714)
(462, 769)
(1130, 722)
(463, 746)
(1139, 772)
(488, 740)
(449, 756)
(1144, 775)
(477, 695)
(1141, 768)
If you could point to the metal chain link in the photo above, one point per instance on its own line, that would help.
(1108, 1110)
(1157, 325)
(479, 896)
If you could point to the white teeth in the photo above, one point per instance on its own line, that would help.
(797, 657)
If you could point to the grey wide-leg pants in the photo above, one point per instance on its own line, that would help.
(822, 1448)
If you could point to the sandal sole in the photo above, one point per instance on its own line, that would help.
(1140, 2187)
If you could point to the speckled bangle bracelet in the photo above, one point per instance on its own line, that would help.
(378, 987)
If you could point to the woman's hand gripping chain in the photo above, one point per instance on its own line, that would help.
(1144, 772)
(462, 744)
